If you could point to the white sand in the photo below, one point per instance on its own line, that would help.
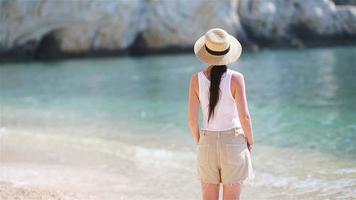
(10, 192)
(57, 167)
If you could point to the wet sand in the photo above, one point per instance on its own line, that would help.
(69, 167)
(10, 192)
(93, 169)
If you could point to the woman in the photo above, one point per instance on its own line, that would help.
(224, 143)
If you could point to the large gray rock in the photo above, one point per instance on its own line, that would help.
(82, 26)
(77, 26)
(296, 20)
(107, 25)
(347, 16)
(181, 23)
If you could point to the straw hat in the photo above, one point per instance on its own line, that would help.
(217, 47)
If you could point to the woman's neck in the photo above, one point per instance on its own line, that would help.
(208, 70)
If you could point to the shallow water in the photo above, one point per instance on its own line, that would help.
(134, 110)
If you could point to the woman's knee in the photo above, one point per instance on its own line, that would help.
(210, 191)
(232, 191)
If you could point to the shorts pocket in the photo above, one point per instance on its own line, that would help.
(235, 154)
(240, 139)
(203, 154)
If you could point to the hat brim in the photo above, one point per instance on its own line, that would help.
(230, 57)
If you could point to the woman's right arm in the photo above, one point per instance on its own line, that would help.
(239, 93)
(193, 107)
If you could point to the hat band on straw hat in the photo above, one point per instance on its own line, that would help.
(217, 53)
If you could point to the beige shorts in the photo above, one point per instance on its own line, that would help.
(223, 157)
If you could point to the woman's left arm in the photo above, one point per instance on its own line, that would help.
(193, 108)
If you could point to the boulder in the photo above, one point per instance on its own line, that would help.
(287, 21)
(181, 23)
(76, 26)
(51, 27)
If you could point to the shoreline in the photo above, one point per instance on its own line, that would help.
(21, 54)
(95, 168)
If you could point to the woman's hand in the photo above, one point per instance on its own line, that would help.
(249, 146)
(197, 141)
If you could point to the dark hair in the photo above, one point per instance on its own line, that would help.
(215, 77)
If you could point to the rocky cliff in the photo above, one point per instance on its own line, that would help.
(54, 28)
(295, 22)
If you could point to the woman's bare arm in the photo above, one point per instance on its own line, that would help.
(193, 108)
(239, 93)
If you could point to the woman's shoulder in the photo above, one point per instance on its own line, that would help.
(194, 82)
(196, 75)
(235, 74)
(237, 78)
(194, 78)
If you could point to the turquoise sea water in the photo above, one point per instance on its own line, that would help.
(299, 100)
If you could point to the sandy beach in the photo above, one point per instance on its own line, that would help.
(63, 167)
(10, 192)
(57, 169)
(53, 170)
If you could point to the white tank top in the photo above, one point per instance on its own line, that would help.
(225, 113)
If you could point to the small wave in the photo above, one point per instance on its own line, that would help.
(294, 186)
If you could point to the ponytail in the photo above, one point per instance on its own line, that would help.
(215, 77)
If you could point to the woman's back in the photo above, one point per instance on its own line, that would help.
(225, 112)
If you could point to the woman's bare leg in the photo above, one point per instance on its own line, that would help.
(232, 191)
(210, 191)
